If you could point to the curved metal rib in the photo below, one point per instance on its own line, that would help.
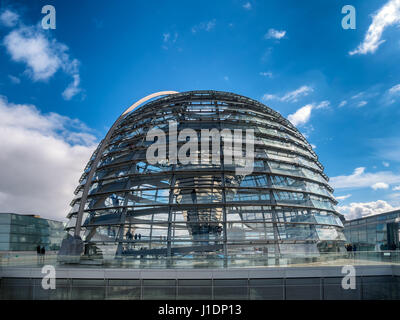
(100, 152)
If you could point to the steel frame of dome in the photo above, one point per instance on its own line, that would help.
(284, 205)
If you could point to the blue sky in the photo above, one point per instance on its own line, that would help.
(340, 87)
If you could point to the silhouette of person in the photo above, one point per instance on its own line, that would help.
(193, 194)
(38, 253)
(43, 252)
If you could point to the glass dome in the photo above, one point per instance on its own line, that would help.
(139, 208)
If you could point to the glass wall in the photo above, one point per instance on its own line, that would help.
(374, 233)
(25, 232)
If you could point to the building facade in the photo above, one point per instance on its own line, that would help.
(127, 205)
(374, 233)
(25, 232)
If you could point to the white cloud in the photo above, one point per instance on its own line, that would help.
(360, 179)
(41, 159)
(73, 88)
(292, 96)
(247, 6)
(380, 185)
(386, 164)
(362, 103)
(323, 104)
(343, 197)
(268, 96)
(313, 146)
(9, 18)
(395, 89)
(275, 34)
(392, 94)
(167, 37)
(343, 103)
(42, 55)
(14, 79)
(30, 46)
(207, 26)
(302, 115)
(396, 188)
(386, 16)
(361, 99)
(169, 40)
(358, 95)
(210, 25)
(266, 74)
(357, 210)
